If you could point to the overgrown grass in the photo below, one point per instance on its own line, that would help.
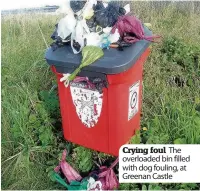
(31, 133)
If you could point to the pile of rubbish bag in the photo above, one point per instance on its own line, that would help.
(88, 23)
(92, 23)
(97, 23)
(102, 179)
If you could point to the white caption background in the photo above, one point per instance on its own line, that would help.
(159, 164)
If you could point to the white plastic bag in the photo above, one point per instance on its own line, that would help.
(78, 35)
(105, 4)
(93, 39)
(92, 184)
(114, 37)
(88, 11)
(66, 26)
(127, 8)
(111, 37)
(107, 30)
(65, 8)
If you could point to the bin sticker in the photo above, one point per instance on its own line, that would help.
(133, 104)
(88, 104)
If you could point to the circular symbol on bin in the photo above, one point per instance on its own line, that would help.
(133, 100)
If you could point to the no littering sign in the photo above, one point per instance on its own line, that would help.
(159, 163)
(133, 105)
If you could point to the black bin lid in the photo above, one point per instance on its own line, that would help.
(113, 61)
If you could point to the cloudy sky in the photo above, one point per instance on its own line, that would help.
(17, 4)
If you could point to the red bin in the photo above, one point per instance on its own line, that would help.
(102, 110)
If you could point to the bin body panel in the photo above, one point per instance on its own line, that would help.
(74, 130)
(120, 128)
(113, 128)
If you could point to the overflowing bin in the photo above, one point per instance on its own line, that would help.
(101, 108)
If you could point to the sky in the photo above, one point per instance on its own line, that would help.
(17, 4)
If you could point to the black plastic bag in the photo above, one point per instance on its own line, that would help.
(54, 36)
(76, 45)
(58, 40)
(58, 43)
(98, 6)
(77, 5)
(107, 17)
(91, 23)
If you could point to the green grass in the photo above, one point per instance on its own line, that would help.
(169, 112)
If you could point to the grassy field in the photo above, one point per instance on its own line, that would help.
(31, 130)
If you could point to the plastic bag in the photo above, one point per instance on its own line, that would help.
(56, 177)
(88, 11)
(105, 42)
(77, 5)
(114, 37)
(67, 170)
(93, 39)
(78, 35)
(131, 29)
(98, 6)
(54, 36)
(107, 29)
(127, 8)
(73, 185)
(58, 41)
(91, 23)
(108, 178)
(102, 179)
(107, 17)
(66, 26)
(65, 8)
(107, 38)
(111, 37)
(94, 185)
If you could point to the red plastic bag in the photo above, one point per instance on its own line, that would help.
(131, 30)
(108, 178)
(67, 170)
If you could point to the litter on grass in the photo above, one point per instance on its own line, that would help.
(102, 179)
